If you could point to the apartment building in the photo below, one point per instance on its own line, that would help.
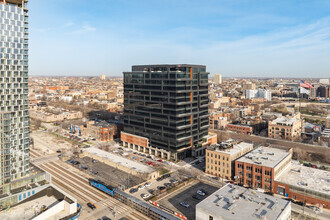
(285, 128)
(168, 106)
(220, 158)
(217, 79)
(260, 167)
(259, 93)
(14, 114)
(215, 116)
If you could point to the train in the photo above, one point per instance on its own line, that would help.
(143, 207)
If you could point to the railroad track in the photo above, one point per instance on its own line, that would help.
(79, 187)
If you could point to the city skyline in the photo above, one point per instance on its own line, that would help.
(234, 39)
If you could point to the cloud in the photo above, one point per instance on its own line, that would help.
(84, 29)
(66, 25)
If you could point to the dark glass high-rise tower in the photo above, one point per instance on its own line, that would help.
(14, 115)
(168, 104)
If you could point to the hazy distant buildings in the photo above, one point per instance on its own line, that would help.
(260, 93)
(324, 81)
(166, 109)
(217, 78)
(102, 77)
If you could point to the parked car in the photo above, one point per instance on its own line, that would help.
(76, 162)
(58, 151)
(145, 195)
(167, 184)
(160, 161)
(141, 187)
(70, 161)
(196, 197)
(166, 175)
(95, 172)
(60, 155)
(83, 167)
(201, 193)
(91, 205)
(94, 161)
(174, 181)
(161, 188)
(184, 204)
(133, 190)
(159, 179)
(147, 184)
(106, 218)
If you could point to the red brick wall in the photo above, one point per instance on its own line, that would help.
(243, 179)
(300, 196)
(134, 140)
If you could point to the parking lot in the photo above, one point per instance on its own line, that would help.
(155, 187)
(184, 194)
(108, 174)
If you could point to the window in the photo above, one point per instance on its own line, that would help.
(294, 197)
(258, 170)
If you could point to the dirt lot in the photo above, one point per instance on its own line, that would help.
(184, 194)
(108, 174)
(49, 143)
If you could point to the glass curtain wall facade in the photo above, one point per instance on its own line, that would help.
(14, 115)
(168, 104)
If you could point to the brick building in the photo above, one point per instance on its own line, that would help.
(304, 184)
(260, 167)
(215, 116)
(220, 158)
(241, 129)
(101, 131)
(285, 128)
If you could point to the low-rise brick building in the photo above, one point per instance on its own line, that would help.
(101, 131)
(241, 129)
(304, 184)
(260, 167)
(220, 158)
(285, 128)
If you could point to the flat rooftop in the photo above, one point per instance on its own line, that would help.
(284, 121)
(306, 177)
(235, 202)
(141, 168)
(233, 147)
(265, 156)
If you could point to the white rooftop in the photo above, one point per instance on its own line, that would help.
(237, 147)
(235, 202)
(265, 156)
(284, 121)
(306, 177)
(141, 168)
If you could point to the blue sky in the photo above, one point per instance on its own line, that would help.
(283, 38)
